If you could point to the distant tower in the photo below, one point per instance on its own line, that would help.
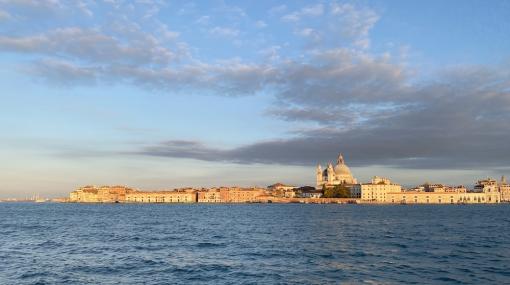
(340, 159)
(319, 175)
(330, 172)
(503, 180)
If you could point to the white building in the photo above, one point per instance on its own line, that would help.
(338, 175)
(490, 188)
(376, 191)
(311, 194)
(504, 189)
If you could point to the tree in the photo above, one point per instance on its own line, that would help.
(338, 191)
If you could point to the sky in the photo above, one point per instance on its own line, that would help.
(164, 94)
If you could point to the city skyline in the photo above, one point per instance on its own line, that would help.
(162, 95)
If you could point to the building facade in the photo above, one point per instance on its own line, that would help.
(162, 197)
(282, 190)
(103, 194)
(375, 191)
(486, 191)
(504, 189)
(210, 196)
(340, 174)
(241, 195)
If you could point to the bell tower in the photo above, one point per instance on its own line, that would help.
(319, 175)
(331, 173)
(340, 159)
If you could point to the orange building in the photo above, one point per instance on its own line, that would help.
(241, 195)
(210, 196)
(162, 197)
(103, 194)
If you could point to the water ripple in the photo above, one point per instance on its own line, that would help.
(253, 244)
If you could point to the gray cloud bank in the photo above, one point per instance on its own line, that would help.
(459, 120)
(369, 106)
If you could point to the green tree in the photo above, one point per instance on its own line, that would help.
(338, 191)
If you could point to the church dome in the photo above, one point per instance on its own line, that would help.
(342, 170)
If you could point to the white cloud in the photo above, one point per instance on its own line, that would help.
(224, 32)
(271, 53)
(277, 9)
(36, 6)
(308, 11)
(203, 20)
(84, 8)
(310, 33)
(340, 24)
(90, 45)
(354, 22)
(4, 15)
(260, 24)
(291, 17)
(64, 73)
(314, 11)
(166, 33)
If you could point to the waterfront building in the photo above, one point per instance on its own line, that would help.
(504, 189)
(440, 188)
(241, 195)
(282, 190)
(280, 186)
(375, 191)
(84, 194)
(490, 188)
(162, 197)
(485, 191)
(416, 189)
(411, 197)
(311, 193)
(340, 174)
(103, 194)
(210, 196)
(456, 189)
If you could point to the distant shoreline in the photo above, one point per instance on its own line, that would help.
(309, 202)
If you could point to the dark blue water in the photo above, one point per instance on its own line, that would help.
(253, 244)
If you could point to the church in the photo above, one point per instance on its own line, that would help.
(340, 174)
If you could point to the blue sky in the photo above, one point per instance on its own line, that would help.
(162, 94)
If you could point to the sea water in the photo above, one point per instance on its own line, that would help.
(49, 243)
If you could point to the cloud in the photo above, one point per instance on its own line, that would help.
(167, 34)
(260, 24)
(64, 73)
(334, 25)
(338, 95)
(225, 78)
(85, 9)
(4, 16)
(307, 11)
(31, 9)
(224, 32)
(203, 20)
(124, 51)
(341, 77)
(277, 9)
(33, 3)
(354, 22)
(457, 120)
(310, 33)
(91, 46)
